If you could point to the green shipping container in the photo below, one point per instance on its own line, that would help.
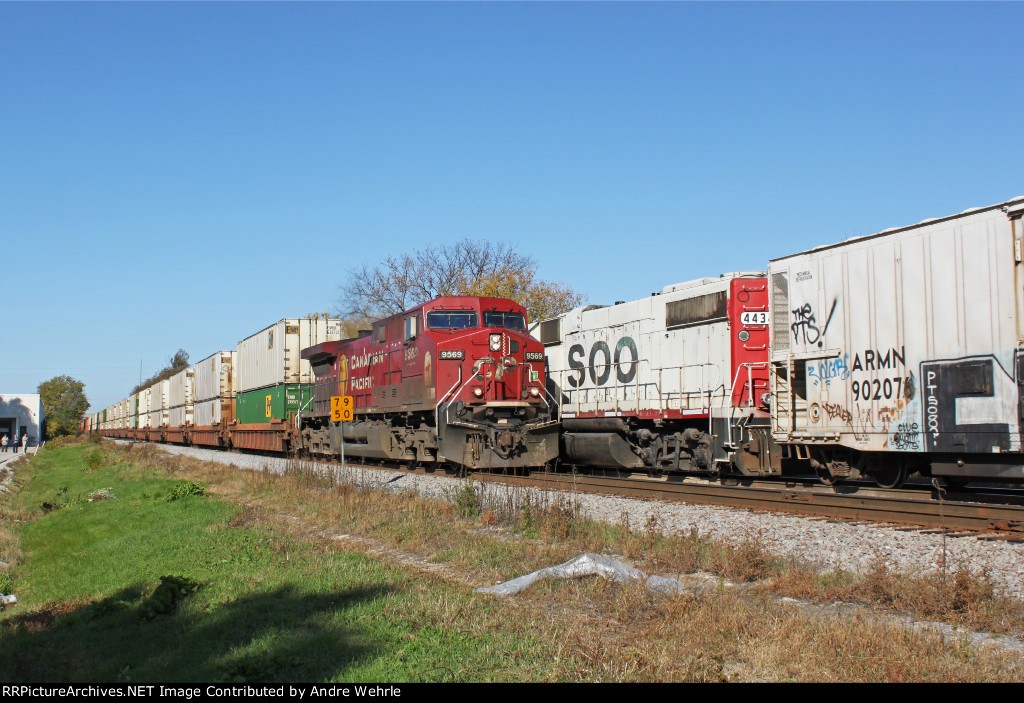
(274, 403)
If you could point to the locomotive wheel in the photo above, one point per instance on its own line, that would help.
(824, 475)
(889, 475)
(820, 465)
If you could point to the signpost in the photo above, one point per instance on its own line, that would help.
(341, 411)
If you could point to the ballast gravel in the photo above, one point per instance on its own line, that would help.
(822, 544)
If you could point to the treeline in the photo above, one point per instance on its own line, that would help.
(469, 267)
(177, 362)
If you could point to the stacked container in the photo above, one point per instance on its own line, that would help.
(274, 381)
(158, 403)
(214, 389)
(179, 400)
(143, 413)
(132, 417)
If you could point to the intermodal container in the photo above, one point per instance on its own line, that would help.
(274, 403)
(272, 356)
(215, 377)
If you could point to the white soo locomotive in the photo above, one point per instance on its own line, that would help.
(677, 381)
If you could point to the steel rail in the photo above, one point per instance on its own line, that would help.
(943, 514)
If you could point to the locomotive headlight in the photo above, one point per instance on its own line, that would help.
(535, 392)
(496, 342)
(478, 392)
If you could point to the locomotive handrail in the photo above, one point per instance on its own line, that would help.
(437, 408)
(748, 365)
(664, 398)
(546, 391)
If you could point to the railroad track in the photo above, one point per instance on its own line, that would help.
(953, 517)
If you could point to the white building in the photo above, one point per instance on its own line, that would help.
(21, 413)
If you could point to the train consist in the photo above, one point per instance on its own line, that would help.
(456, 382)
(877, 357)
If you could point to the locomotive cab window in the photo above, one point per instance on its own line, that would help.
(451, 319)
(508, 320)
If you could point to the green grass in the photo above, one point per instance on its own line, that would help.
(251, 604)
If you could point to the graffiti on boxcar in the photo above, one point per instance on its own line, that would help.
(827, 370)
(835, 410)
(863, 423)
(906, 436)
(805, 325)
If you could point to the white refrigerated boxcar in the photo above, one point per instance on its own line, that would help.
(901, 351)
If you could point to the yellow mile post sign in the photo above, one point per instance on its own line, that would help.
(341, 408)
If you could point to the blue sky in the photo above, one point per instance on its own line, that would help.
(184, 174)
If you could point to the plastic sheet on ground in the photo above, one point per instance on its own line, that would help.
(586, 565)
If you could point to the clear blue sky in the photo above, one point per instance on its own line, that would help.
(182, 175)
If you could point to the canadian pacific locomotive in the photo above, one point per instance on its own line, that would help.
(456, 380)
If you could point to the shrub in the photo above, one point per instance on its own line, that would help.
(184, 489)
(466, 502)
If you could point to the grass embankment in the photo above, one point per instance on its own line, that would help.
(274, 583)
(250, 603)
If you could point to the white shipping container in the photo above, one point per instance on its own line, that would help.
(158, 403)
(180, 415)
(144, 396)
(273, 355)
(906, 340)
(159, 395)
(207, 412)
(133, 410)
(180, 388)
(214, 376)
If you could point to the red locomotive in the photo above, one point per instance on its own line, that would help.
(457, 380)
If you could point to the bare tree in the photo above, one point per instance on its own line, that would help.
(465, 268)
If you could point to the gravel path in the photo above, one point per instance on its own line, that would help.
(823, 544)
